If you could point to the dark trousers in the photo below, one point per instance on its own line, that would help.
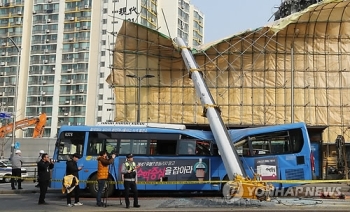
(43, 184)
(101, 185)
(127, 186)
(76, 191)
(16, 173)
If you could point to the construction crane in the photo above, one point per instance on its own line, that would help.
(240, 185)
(39, 123)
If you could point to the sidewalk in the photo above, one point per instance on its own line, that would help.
(28, 187)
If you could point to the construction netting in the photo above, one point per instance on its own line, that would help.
(252, 75)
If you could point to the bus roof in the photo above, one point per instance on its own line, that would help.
(203, 135)
(237, 135)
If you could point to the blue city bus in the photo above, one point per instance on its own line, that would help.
(171, 153)
(280, 152)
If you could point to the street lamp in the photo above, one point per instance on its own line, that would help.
(139, 79)
(15, 97)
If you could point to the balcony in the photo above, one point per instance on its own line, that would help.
(77, 113)
(78, 102)
(80, 81)
(69, 29)
(33, 72)
(66, 92)
(84, 39)
(40, 93)
(81, 70)
(84, 18)
(82, 60)
(67, 60)
(68, 50)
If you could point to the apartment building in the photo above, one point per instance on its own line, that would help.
(65, 52)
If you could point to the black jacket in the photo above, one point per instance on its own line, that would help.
(44, 170)
(72, 168)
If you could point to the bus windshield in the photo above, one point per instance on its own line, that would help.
(69, 143)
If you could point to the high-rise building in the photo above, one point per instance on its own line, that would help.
(66, 52)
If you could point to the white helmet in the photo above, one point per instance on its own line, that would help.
(18, 151)
(41, 152)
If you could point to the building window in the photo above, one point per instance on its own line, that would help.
(103, 53)
(105, 11)
(104, 32)
(99, 108)
(103, 42)
(102, 75)
(101, 85)
(100, 97)
(102, 64)
(104, 21)
(99, 119)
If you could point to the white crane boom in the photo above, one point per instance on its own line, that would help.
(228, 152)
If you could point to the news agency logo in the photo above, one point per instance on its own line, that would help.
(234, 191)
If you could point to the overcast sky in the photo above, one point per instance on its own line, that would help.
(227, 17)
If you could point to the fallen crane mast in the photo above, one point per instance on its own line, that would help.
(239, 186)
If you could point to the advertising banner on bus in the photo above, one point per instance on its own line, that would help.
(155, 169)
(267, 168)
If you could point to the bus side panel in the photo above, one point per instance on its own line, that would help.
(200, 171)
(89, 166)
(217, 172)
(58, 173)
(294, 167)
(119, 162)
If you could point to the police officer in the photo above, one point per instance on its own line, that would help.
(130, 180)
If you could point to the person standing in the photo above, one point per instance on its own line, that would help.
(102, 174)
(16, 162)
(41, 152)
(44, 166)
(73, 169)
(129, 171)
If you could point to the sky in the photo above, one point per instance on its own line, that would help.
(227, 17)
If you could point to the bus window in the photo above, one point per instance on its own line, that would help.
(202, 147)
(95, 146)
(282, 142)
(137, 147)
(163, 147)
(70, 143)
(187, 147)
(242, 147)
(111, 146)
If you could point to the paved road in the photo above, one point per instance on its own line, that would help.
(57, 202)
(26, 200)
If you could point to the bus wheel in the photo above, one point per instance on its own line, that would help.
(223, 184)
(93, 187)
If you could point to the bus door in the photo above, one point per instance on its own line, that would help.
(67, 144)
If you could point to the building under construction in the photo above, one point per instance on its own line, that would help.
(296, 69)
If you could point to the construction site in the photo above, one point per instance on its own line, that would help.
(296, 69)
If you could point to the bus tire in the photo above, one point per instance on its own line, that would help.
(93, 187)
(223, 184)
